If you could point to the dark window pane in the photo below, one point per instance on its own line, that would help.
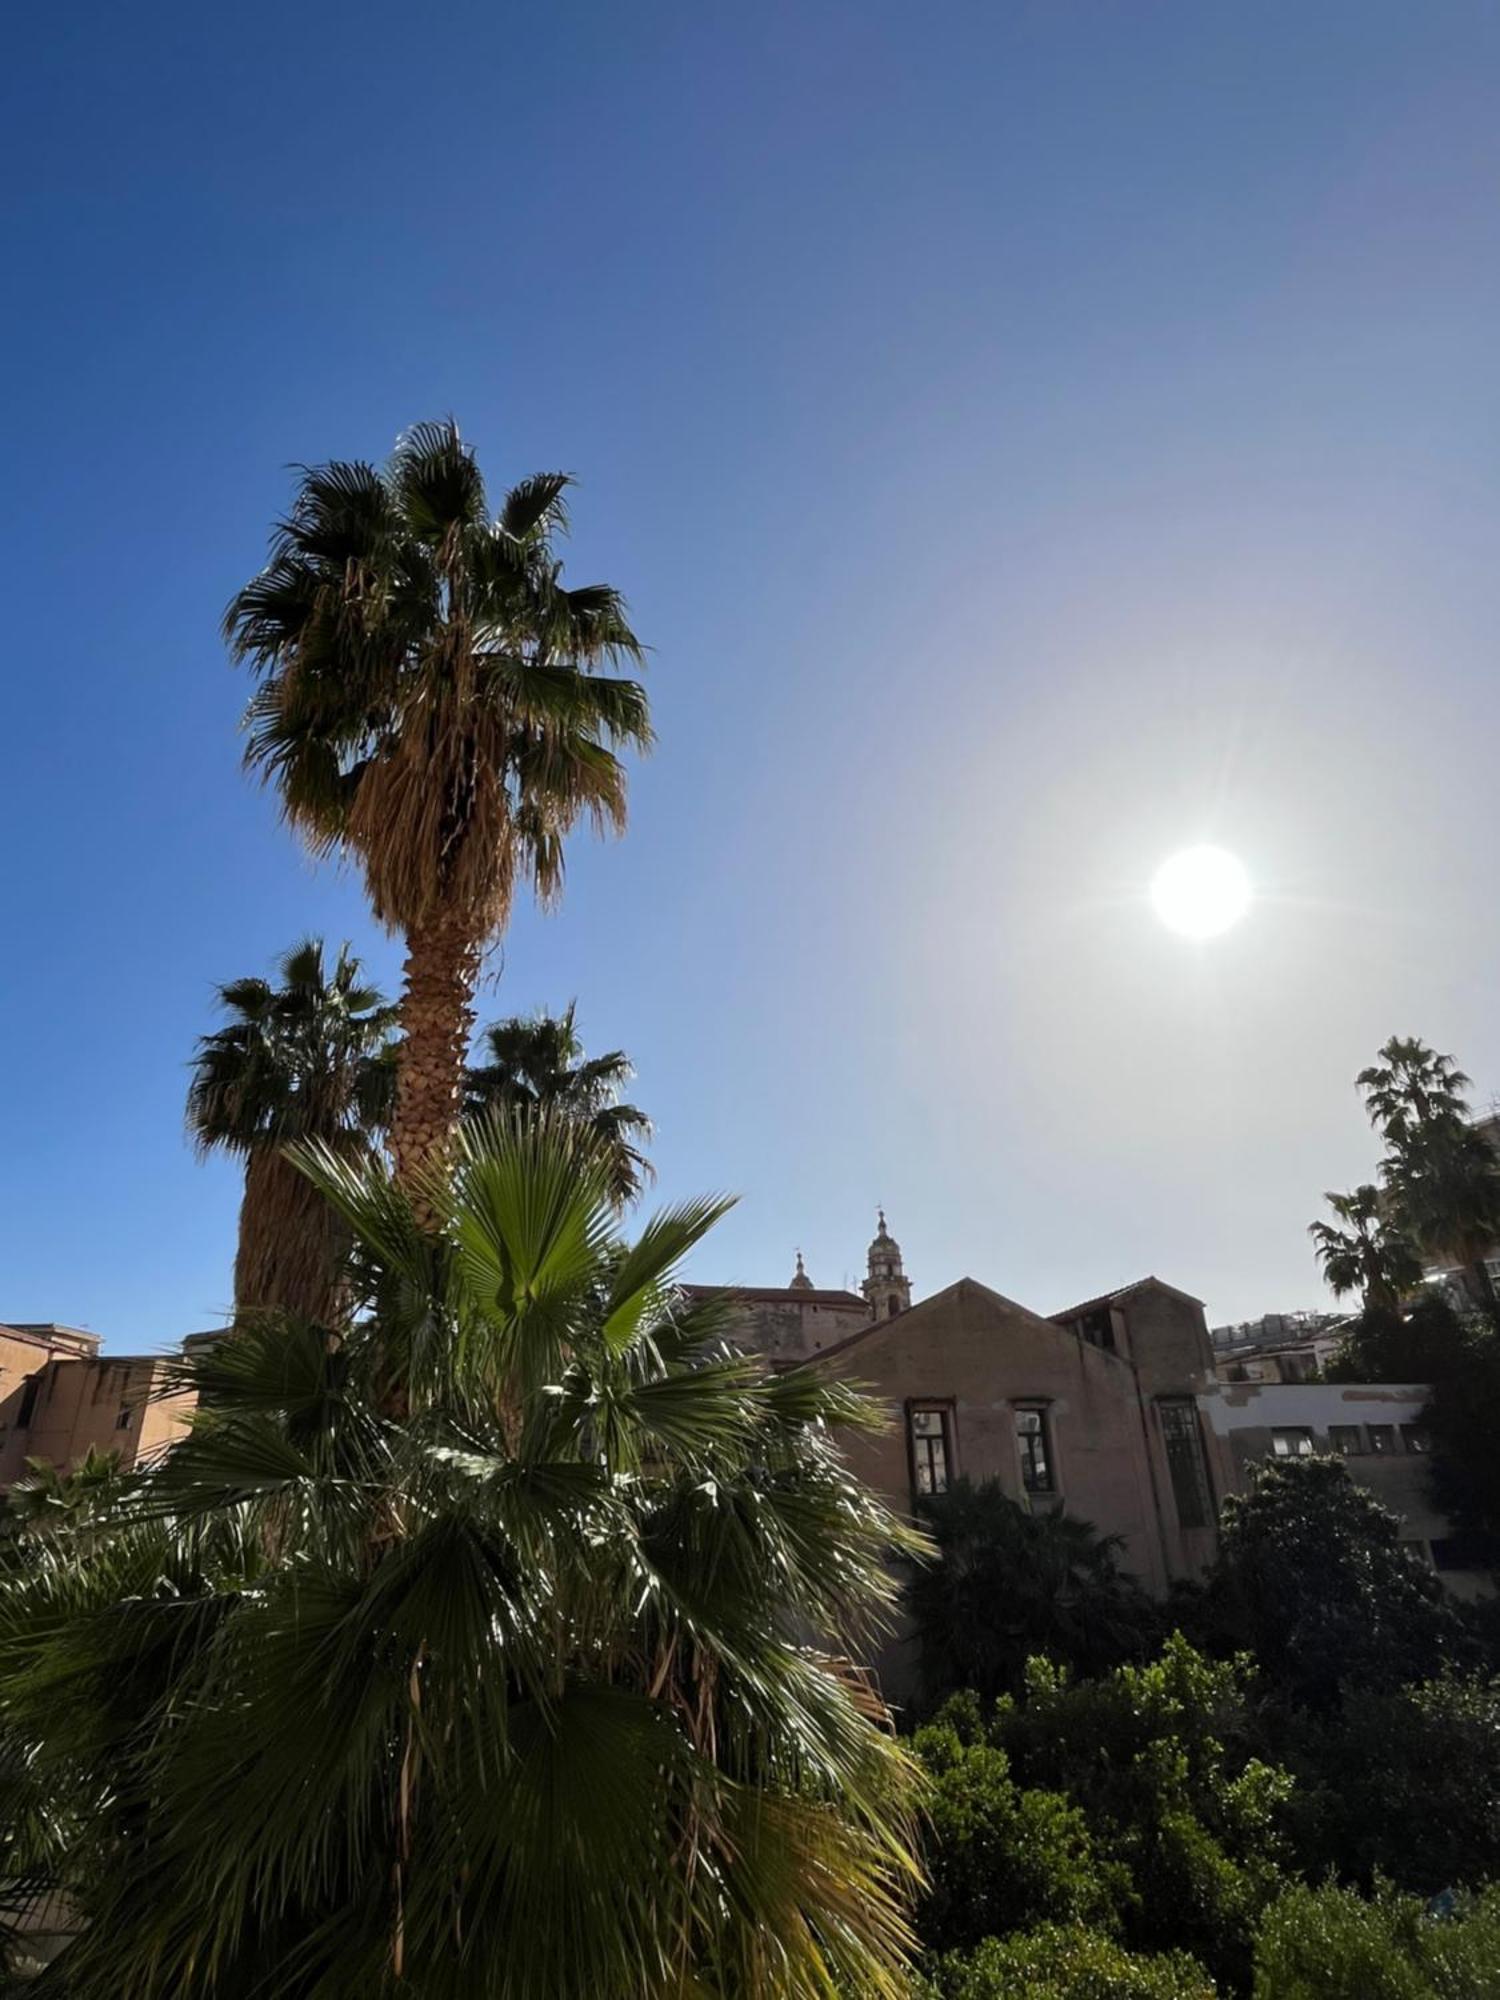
(1031, 1442)
(1346, 1439)
(1382, 1438)
(1185, 1462)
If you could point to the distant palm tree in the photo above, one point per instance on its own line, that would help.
(1008, 1584)
(306, 1058)
(1445, 1183)
(1411, 1087)
(1369, 1254)
(538, 1064)
(430, 702)
(511, 1696)
(1440, 1173)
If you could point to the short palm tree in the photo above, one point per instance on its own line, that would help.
(304, 1058)
(538, 1064)
(430, 702)
(510, 1695)
(1368, 1253)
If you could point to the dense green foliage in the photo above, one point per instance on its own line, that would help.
(1312, 1580)
(1061, 1962)
(1402, 1783)
(1192, 1804)
(1331, 1944)
(999, 1858)
(1148, 1777)
(466, 1655)
(1008, 1584)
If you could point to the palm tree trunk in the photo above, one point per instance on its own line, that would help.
(437, 1017)
(292, 1245)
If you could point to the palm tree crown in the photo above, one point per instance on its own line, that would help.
(430, 701)
(1368, 1254)
(304, 1058)
(1440, 1172)
(509, 1694)
(538, 1063)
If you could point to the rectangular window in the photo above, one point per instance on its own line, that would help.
(122, 1421)
(1185, 1462)
(1036, 1458)
(1098, 1329)
(931, 1450)
(1347, 1440)
(1291, 1441)
(1414, 1438)
(1382, 1440)
(27, 1410)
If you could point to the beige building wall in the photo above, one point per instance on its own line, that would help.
(978, 1359)
(59, 1397)
(785, 1323)
(1374, 1426)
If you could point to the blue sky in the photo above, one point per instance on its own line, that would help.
(1032, 437)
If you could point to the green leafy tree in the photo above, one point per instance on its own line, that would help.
(1332, 1944)
(1402, 1784)
(539, 1064)
(1440, 1173)
(1311, 1578)
(1008, 1584)
(508, 1693)
(1363, 1252)
(999, 1858)
(1163, 1761)
(1462, 1421)
(430, 702)
(1426, 1343)
(1067, 1962)
(303, 1059)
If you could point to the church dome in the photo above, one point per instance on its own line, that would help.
(884, 1241)
(800, 1281)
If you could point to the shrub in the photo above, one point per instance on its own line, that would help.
(1404, 1785)
(1332, 1944)
(1161, 1761)
(1067, 1962)
(1008, 1584)
(1000, 1858)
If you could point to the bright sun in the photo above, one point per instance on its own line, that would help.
(1200, 891)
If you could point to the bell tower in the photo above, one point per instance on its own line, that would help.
(886, 1287)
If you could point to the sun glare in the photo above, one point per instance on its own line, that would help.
(1200, 892)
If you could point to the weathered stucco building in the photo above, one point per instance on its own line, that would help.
(59, 1396)
(1111, 1409)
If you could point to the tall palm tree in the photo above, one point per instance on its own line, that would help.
(510, 1695)
(305, 1058)
(1412, 1087)
(538, 1064)
(1445, 1183)
(1368, 1254)
(430, 702)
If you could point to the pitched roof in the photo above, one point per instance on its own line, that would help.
(933, 1298)
(1123, 1292)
